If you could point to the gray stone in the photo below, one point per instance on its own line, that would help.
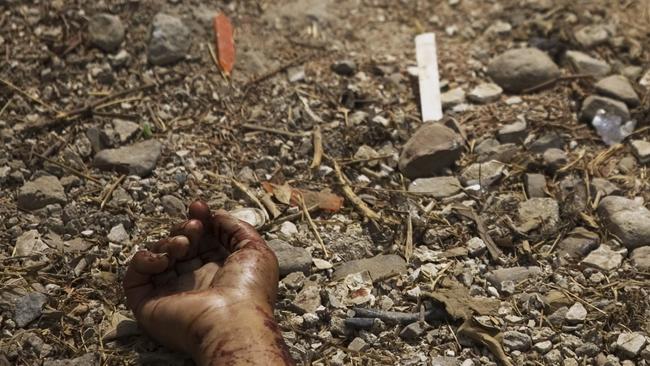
(535, 185)
(169, 42)
(626, 219)
(296, 73)
(515, 274)
(641, 258)
(555, 158)
(520, 69)
(365, 152)
(89, 359)
(548, 141)
(604, 259)
(106, 32)
(452, 97)
(558, 316)
(288, 230)
(553, 357)
(587, 349)
(578, 243)
(438, 187)
(29, 243)
(290, 258)
(118, 235)
(357, 345)
(29, 308)
(604, 187)
(540, 213)
(136, 159)
(308, 299)
(125, 129)
(484, 174)
(485, 93)
(641, 149)
(488, 151)
(513, 133)
(618, 87)
(40, 192)
(446, 361)
(344, 67)
(476, 246)
(587, 65)
(627, 164)
(645, 80)
(592, 35)
(379, 267)
(593, 103)
(630, 344)
(570, 362)
(517, 341)
(412, 331)
(431, 149)
(251, 215)
(632, 72)
(543, 346)
(576, 314)
(173, 206)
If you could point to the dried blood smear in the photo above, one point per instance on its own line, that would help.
(223, 39)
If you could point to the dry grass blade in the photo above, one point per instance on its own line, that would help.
(349, 194)
(318, 147)
(13, 87)
(467, 212)
(313, 227)
(109, 193)
(603, 157)
(408, 242)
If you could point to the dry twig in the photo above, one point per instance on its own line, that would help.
(318, 147)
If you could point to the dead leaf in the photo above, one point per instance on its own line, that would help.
(223, 38)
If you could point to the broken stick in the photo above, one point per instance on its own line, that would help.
(318, 147)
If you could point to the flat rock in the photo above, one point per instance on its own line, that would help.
(515, 274)
(535, 185)
(379, 267)
(137, 159)
(578, 243)
(641, 258)
(29, 308)
(431, 149)
(548, 141)
(520, 69)
(40, 192)
(592, 35)
(308, 299)
(555, 158)
(517, 341)
(513, 133)
(125, 129)
(357, 345)
(626, 219)
(29, 243)
(169, 42)
(173, 206)
(251, 215)
(593, 103)
(604, 259)
(290, 258)
(105, 31)
(452, 97)
(585, 64)
(485, 93)
(604, 187)
(576, 314)
(118, 235)
(641, 149)
(89, 359)
(543, 346)
(540, 213)
(412, 331)
(438, 187)
(619, 88)
(445, 361)
(630, 344)
(484, 174)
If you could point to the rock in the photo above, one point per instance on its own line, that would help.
(136, 159)
(513, 133)
(604, 259)
(308, 299)
(344, 67)
(357, 345)
(540, 213)
(40, 192)
(553, 357)
(169, 42)
(576, 314)
(288, 229)
(296, 74)
(120, 59)
(626, 219)
(290, 258)
(491, 149)
(106, 32)
(446, 361)
(515, 274)
(173, 206)
(379, 267)
(365, 152)
(29, 243)
(89, 359)
(432, 148)
(438, 187)
(630, 344)
(593, 103)
(476, 246)
(592, 35)
(520, 69)
(627, 164)
(517, 341)
(578, 243)
(641, 149)
(29, 308)
(483, 174)
(604, 187)
(535, 185)
(585, 64)
(641, 258)
(251, 215)
(485, 93)
(118, 235)
(543, 347)
(548, 141)
(558, 316)
(125, 129)
(412, 331)
(618, 87)
(645, 80)
(452, 97)
(555, 158)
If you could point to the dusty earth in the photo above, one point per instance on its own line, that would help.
(66, 236)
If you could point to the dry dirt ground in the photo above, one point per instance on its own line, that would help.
(211, 130)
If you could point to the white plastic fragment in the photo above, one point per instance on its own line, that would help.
(428, 76)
